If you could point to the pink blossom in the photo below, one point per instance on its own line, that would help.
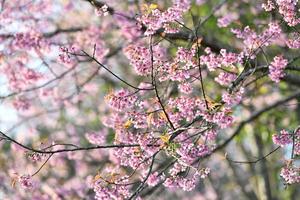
(102, 11)
(153, 179)
(21, 103)
(288, 8)
(200, 2)
(157, 19)
(222, 118)
(36, 157)
(294, 42)
(129, 29)
(210, 135)
(140, 58)
(253, 40)
(225, 78)
(187, 184)
(203, 173)
(25, 181)
(185, 88)
(214, 61)
(234, 98)
(98, 138)
(64, 56)
(276, 68)
(268, 6)
(297, 143)
(290, 174)
(28, 40)
(283, 138)
(121, 99)
(226, 20)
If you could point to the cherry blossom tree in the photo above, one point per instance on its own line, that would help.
(184, 99)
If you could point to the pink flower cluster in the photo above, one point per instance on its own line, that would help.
(276, 68)
(254, 41)
(179, 69)
(121, 100)
(140, 58)
(102, 11)
(129, 29)
(19, 75)
(290, 174)
(64, 56)
(234, 98)
(29, 40)
(189, 152)
(36, 157)
(221, 118)
(157, 19)
(283, 138)
(225, 78)
(226, 20)
(288, 9)
(269, 5)
(185, 108)
(186, 183)
(25, 181)
(185, 88)
(104, 191)
(286, 138)
(294, 42)
(97, 138)
(186, 56)
(21, 103)
(214, 61)
(154, 179)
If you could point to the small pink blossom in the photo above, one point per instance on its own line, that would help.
(185, 88)
(121, 99)
(254, 41)
(234, 98)
(97, 138)
(294, 42)
(226, 20)
(288, 9)
(276, 68)
(25, 181)
(153, 179)
(225, 78)
(21, 103)
(268, 6)
(103, 11)
(283, 138)
(290, 174)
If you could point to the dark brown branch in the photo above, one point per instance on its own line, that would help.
(50, 34)
(155, 86)
(112, 73)
(253, 161)
(39, 86)
(294, 138)
(141, 186)
(200, 73)
(253, 117)
(42, 165)
(58, 77)
(67, 150)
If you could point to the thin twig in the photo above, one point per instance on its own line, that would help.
(253, 161)
(155, 86)
(42, 165)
